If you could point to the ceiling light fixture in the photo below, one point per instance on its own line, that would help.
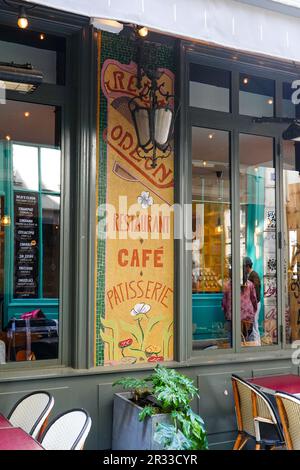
(142, 31)
(22, 9)
(22, 19)
(103, 24)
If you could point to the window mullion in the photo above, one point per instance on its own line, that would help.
(40, 222)
(280, 243)
(235, 241)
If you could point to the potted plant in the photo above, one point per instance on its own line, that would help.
(156, 413)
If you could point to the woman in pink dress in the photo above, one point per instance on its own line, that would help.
(248, 303)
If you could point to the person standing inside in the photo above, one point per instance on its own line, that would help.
(254, 278)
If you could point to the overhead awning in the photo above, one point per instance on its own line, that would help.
(229, 23)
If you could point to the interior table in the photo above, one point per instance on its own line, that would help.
(16, 439)
(4, 423)
(288, 383)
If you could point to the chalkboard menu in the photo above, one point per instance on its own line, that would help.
(26, 245)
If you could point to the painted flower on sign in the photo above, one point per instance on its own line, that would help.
(125, 343)
(152, 350)
(155, 359)
(140, 309)
(145, 200)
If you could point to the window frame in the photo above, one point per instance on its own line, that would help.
(236, 124)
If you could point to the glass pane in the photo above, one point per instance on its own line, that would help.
(291, 187)
(44, 52)
(256, 96)
(25, 167)
(211, 254)
(45, 61)
(258, 242)
(209, 88)
(29, 232)
(4, 221)
(21, 122)
(289, 108)
(50, 169)
(51, 233)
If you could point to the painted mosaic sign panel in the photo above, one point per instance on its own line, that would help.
(137, 325)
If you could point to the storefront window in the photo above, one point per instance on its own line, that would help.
(258, 273)
(209, 88)
(291, 187)
(211, 255)
(256, 96)
(30, 205)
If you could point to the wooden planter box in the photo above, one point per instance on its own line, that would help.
(128, 432)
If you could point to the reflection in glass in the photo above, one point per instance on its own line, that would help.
(51, 232)
(257, 241)
(211, 225)
(256, 97)
(209, 88)
(291, 187)
(50, 169)
(22, 122)
(5, 220)
(25, 167)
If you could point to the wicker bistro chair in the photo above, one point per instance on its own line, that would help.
(31, 412)
(289, 412)
(256, 417)
(68, 431)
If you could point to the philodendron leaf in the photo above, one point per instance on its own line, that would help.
(170, 438)
(147, 411)
(130, 383)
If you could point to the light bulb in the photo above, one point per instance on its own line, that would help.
(42, 36)
(246, 81)
(142, 31)
(27, 114)
(22, 19)
(5, 221)
(8, 137)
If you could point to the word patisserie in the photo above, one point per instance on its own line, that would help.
(145, 290)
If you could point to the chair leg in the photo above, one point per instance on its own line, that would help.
(240, 441)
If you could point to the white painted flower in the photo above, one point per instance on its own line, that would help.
(145, 200)
(140, 309)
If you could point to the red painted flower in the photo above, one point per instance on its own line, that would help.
(156, 359)
(125, 343)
